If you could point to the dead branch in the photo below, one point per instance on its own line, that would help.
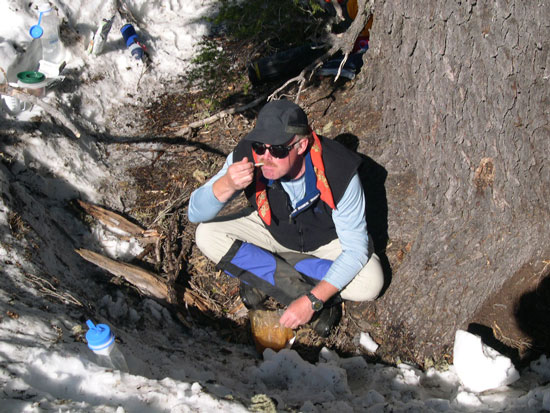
(342, 63)
(346, 42)
(338, 42)
(175, 204)
(8, 90)
(301, 78)
(126, 13)
(146, 282)
(48, 289)
(219, 115)
(191, 298)
(338, 9)
(112, 219)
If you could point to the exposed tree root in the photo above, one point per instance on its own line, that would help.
(338, 42)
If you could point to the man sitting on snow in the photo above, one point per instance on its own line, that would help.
(305, 242)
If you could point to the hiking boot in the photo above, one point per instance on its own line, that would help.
(327, 318)
(251, 297)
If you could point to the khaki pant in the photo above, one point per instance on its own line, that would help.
(214, 238)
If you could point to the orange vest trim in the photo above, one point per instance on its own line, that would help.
(319, 168)
(261, 196)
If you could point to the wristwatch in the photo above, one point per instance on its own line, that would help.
(316, 304)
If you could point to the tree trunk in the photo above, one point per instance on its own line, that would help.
(459, 91)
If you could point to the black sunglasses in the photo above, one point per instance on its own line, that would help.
(277, 151)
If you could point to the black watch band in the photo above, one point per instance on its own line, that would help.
(316, 304)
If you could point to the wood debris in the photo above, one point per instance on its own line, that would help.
(146, 282)
(118, 224)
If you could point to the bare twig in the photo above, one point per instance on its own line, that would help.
(342, 63)
(365, 9)
(176, 203)
(219, 115)
(301, 78)
(345, 43)
(47, 288)
(126, 13)
(338, 10)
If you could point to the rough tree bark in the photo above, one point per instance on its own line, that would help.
(460, 91)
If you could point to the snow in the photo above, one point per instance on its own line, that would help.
(480, 367)
(368, 343)
(47, 292)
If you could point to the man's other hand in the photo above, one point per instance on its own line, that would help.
(297, 313)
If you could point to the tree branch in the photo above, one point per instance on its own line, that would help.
(219, 115)
(338, 9)
(338, 42)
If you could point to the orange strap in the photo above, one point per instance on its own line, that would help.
(316, 153)
(261, 195)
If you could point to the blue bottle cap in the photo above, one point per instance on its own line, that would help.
(36, 31)
(99, 336)
(129, 34)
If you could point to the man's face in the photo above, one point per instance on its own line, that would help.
(289, 167)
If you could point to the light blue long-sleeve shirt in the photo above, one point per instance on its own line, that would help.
(349, 220)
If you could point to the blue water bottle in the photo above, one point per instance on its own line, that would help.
(102, 342)
(132, 41)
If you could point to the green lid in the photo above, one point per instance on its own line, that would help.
(31, 77)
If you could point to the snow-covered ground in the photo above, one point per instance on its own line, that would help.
(48, 292)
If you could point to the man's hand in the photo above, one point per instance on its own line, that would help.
(297, 313)
(238, 176)
(300, 311)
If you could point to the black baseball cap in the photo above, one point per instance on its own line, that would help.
(278, 121)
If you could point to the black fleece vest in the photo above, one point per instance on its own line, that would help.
(314, 226)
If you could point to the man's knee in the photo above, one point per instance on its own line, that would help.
(201, 236)
(208, 240)
(368, 284)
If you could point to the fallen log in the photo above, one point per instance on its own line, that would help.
(146, 282)
(111, 219)
(118, 223)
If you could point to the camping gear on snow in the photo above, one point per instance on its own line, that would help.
(47, 30)
(268, 332)
(32, 82)
(100, 38)
(36, 30)
(283, 64)
(101, 341)
(132, 41)
(14, 105)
